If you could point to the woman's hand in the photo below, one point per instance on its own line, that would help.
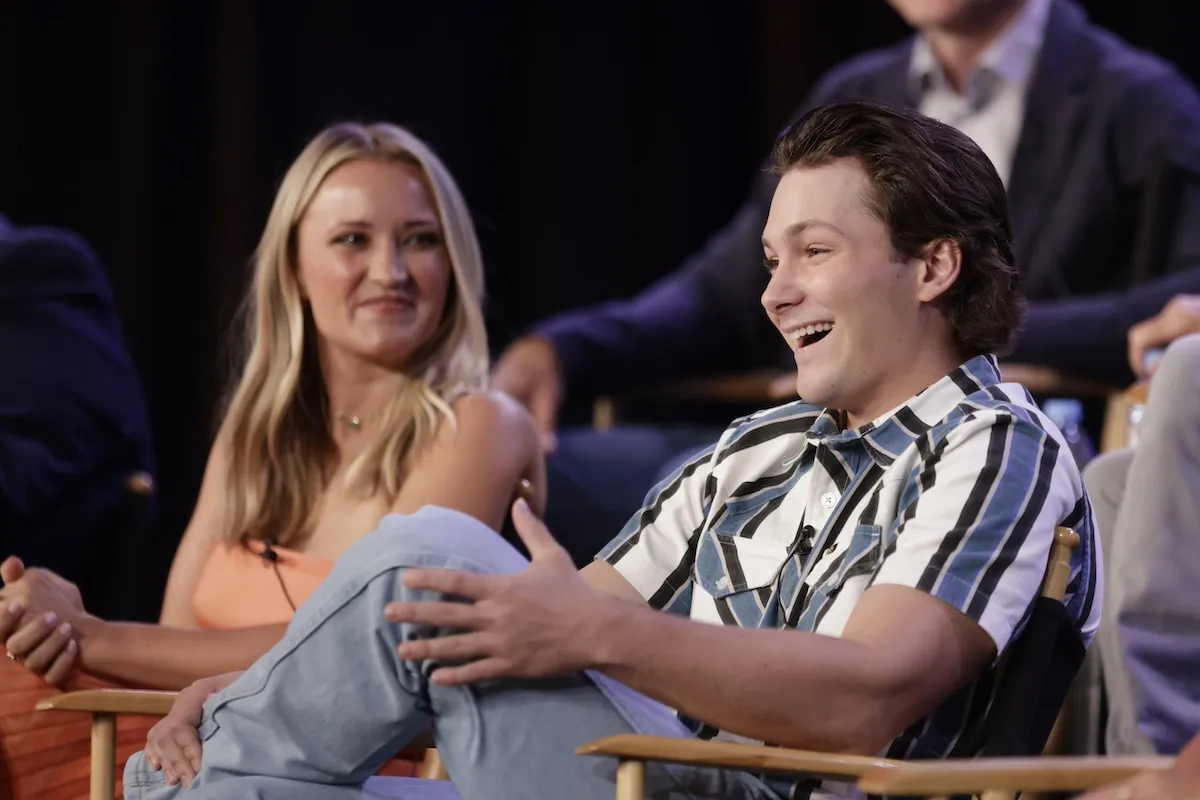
(173, 745)
(37, 641)
(40, 591)
(39, 644)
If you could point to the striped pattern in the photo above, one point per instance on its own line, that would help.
(788, 519)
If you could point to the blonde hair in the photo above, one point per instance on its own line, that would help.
(277, 424)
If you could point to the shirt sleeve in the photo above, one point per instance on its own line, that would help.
(977, 517)
(656, 549)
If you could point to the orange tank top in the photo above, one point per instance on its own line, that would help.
(241, 587)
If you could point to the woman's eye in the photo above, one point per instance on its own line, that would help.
(423, 240)
(813, 252)
(770, 264)
(352, 239)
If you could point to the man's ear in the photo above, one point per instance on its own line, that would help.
(938, 269)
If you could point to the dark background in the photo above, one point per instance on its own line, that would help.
(597, 143)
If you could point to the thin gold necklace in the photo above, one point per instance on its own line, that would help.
(353, 421)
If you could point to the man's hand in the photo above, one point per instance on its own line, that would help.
(529, 371)
(173, 744)
(543, 622)
(1178, 318)
(36, 641)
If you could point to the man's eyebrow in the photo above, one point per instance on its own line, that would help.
(797, 228)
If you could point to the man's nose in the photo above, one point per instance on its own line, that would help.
(783, 291)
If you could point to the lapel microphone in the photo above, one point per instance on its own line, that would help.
(271, 558)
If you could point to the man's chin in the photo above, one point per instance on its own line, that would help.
(816, 392)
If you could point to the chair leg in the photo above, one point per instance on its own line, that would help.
(998, 794)
(432, 768)
(104, 756)
(631, 780)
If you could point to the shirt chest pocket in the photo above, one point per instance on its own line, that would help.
(815, 608)
(860, 556)
(727, 564)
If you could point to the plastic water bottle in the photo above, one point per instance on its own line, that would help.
(1136, 410)
(1067, 414)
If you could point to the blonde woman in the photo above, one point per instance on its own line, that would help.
(363, 393)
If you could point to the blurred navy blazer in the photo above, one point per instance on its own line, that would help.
(1109, 134)
(73, 418)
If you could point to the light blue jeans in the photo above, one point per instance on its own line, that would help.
(320, 713)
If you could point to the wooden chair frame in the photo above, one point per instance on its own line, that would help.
(105, 705)
(634, 751)
(1000, 778)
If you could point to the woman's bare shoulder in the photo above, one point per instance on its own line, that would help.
(494, 415)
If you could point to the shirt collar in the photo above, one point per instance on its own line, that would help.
(887, 436)
(1010, 58)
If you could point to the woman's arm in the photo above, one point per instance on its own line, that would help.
(167, 656)
(174, 654)
(474, 466)
(197, 543)
(161, 657)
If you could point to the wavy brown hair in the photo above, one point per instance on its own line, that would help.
(929, 181)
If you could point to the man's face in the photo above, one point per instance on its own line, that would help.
(846, 306)
(960, 16)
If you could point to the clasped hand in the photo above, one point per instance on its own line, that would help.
(40, 616)
(542, 622)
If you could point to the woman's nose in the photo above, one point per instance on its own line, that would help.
(389, 267)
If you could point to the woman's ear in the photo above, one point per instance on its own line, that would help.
(940, 266)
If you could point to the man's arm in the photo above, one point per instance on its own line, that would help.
(1157, 127)
(703, 317)
(927, 626)
(957, 573)
(902, 653)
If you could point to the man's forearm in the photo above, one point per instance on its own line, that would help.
(781, 686)
(161, 657)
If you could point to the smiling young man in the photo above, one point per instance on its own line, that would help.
(839, 573)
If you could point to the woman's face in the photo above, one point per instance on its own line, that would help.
(372, 263)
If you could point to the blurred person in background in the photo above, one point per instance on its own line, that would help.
(74, 425)
(1147, 504)
(1080, 126)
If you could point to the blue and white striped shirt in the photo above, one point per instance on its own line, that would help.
(788, 519)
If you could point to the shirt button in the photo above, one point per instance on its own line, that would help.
(723, 583)
(828, 499)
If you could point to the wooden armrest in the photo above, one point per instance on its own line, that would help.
(1042, 774)
(732, 755)
(140, 483)
(1046, 380)
(765, 388)
(742, 387)
(111, 701)
(1138, 394)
